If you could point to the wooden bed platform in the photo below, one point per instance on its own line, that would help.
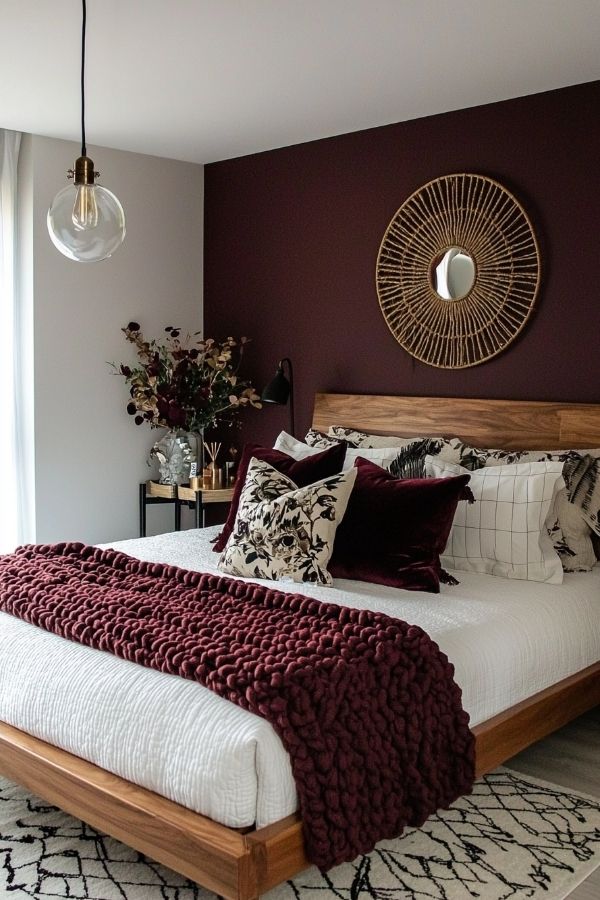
(244, 865)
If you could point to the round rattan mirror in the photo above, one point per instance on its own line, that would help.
(458, 271)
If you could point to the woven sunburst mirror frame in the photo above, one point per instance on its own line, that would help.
(484, 220)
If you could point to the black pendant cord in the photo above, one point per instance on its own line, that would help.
(83, 26)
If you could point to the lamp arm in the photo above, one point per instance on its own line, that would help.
(287, 360)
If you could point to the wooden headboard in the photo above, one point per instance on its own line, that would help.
(510, 424)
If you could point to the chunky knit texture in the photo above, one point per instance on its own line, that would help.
(365, 705)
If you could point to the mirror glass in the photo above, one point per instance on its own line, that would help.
(453, 273)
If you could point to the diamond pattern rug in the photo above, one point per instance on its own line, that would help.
(513, 837)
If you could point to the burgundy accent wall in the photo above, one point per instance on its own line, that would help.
(292, 235)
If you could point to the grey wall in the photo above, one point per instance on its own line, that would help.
(89, 455)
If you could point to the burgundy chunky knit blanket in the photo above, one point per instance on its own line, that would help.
(365, 705)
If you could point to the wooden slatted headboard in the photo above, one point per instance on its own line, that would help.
(510, 424)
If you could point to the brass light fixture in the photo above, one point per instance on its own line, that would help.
(86, 222)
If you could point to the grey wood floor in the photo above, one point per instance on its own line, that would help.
(569, 757)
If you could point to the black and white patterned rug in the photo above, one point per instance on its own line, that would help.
(513, 837)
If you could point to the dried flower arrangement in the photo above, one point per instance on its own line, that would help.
(191, 384)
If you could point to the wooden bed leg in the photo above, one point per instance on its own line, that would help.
(277, 853)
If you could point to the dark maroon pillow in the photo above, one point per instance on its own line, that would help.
(301, 471)
(395, 529)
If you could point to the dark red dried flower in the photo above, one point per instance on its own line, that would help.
(181, 386)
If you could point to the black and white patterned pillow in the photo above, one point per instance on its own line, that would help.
(584, 489)
(316, 438)
(403, 457)
(410, 461)
(356, 438)
(285, 532)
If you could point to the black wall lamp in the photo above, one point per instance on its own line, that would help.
(281, 389)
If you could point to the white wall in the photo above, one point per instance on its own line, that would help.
(89, 455)
(24, 330)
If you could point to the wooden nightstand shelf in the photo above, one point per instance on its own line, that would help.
(151, 492)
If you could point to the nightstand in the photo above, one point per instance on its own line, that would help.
(151, 492)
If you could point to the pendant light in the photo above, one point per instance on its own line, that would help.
(86, 222)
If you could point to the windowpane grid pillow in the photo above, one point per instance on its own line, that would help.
(577, 506)
(505, 532)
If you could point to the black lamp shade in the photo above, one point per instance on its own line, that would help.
(281, 389)
(277, 390)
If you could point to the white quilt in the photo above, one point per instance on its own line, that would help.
(507, 640)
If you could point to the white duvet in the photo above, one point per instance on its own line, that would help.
(507, 640)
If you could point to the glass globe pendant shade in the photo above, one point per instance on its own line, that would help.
(86, 222)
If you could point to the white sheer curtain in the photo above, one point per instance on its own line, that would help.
(13, 515)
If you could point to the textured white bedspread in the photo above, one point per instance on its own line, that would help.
(507, 639)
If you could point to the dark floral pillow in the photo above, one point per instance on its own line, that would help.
(285, 532)
(410, 462)
(316, 438)
(301, 471)
(583, 486)
(410, 459)
(368, 441)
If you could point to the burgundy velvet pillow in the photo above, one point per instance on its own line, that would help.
(301, 471)
(395, 529)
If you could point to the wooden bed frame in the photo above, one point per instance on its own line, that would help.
(241, 865)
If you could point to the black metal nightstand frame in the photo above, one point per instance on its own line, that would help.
(151, 493)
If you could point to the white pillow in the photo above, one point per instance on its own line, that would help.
(293, 447)
(505, 532)
(383, 456)
(577, 507)
(283, 531)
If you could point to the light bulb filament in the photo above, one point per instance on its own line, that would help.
(85, 208)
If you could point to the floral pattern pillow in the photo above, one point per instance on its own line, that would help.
(410, 461)
(354, 439)
(316, 438)
(371, 441)
(404, 457)
(285, 532)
